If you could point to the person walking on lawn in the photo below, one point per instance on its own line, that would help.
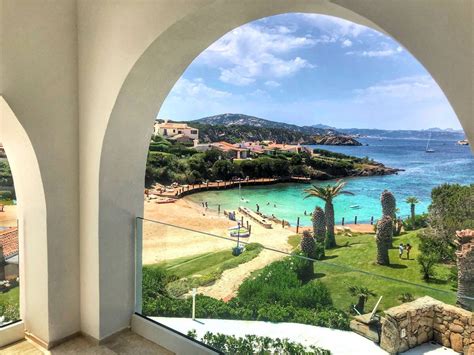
(400, 250)
(408, 248)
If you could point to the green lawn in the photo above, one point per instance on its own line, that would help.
(204, 269)
(197, 265)
(9, 299)
(11, 296)
(359, 252)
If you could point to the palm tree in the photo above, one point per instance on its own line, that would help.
(363, 293)
(383, 238)
(328, 193)
(412, 201)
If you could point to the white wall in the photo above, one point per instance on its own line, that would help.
(86, 79)
(39, 81)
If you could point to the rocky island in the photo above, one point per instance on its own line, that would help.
(335, 140)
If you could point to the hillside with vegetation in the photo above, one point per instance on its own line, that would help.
(173, 162)
(236, 128)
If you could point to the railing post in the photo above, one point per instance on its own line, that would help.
(138, 264)
(297, 225)
(194, 304)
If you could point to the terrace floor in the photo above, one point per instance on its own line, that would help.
(339, 342)
(126, 343)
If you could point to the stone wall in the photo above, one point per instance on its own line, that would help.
(414, 323)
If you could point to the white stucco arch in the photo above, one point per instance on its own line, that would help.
(32, 221)
(429, 32)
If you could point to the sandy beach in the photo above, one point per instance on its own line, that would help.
(164, 242)
(8, 217)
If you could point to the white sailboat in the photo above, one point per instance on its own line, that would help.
(428, 149)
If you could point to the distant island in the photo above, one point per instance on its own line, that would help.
(436, 133)
(236, 127)
(335, 140)
(239, 127)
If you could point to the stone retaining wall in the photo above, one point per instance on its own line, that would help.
(414, 323)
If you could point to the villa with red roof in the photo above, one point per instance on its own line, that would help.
(9, 253)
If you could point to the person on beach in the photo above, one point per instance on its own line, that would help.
(400, 250)
(206, 205)
(305, 212)
(258, 208)
(408, 248)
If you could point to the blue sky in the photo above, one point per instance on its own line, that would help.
(308, 69)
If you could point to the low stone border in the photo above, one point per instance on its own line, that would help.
(414, 323)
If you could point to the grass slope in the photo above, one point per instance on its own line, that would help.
(359, 252)
(204, 269)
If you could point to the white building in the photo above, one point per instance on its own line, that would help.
(171, 129)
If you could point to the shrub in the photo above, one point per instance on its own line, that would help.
(154, 281)
(421, 221)
(406, 297)
(427, 263)
(10, 310)
(449, 211)
(431, 243)
(279, 283)
(6, 195)
(252, 344)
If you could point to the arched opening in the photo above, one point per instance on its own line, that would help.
(121, 168)
(30, 212)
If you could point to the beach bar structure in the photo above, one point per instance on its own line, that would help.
(80, 87)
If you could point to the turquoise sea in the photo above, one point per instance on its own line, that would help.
(450, 163)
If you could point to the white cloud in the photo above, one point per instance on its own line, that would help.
(197, 88)
(272, 84)
(346, 43)
(336, 26)
(386, 52)
(254, 51)
(408, 89)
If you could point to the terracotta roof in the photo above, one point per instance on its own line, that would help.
(283, 146)
(174, 125)
(9, 242)
(228, 146)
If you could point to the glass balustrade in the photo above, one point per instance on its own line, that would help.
(247, 286)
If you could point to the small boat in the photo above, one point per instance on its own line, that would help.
(428, 149)
(463, 142)
(240, 233)
(355, 207)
